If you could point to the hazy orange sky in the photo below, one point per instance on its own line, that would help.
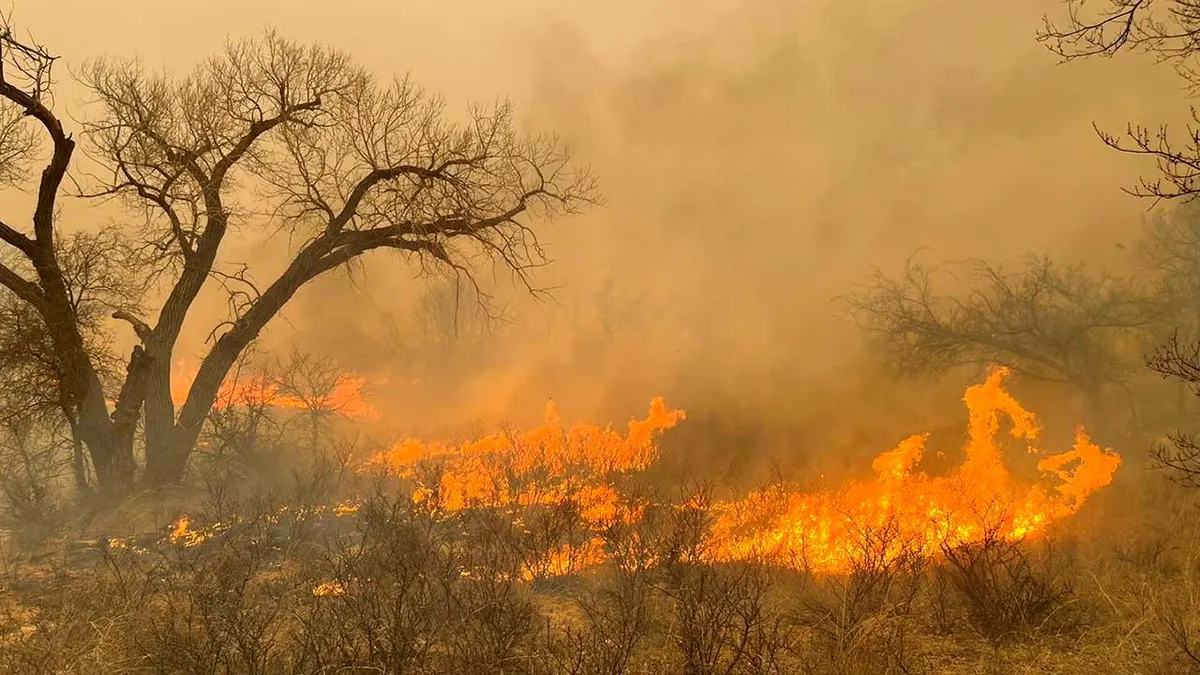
(758, 158)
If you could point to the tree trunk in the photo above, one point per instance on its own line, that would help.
(78, 460)
(112, 456)
(159, 409)
(109, 439)
(168, 463)
(166, 460)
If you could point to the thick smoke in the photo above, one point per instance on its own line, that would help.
(759, 158)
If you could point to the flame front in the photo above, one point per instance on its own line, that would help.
(542, 466)
(901, 510)
(906, 511)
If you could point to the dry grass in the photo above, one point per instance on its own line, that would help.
(414, 590)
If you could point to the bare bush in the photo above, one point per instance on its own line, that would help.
(859, 620)
(243, 429)
(1006, 593)
(217, 607)
(386, 603)
(723, 619)
(31, 464)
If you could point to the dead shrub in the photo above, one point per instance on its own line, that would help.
(721, 613)
(859, 621)
(1007, 593)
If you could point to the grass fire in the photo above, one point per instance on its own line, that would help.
(732, 337)
(820, 532)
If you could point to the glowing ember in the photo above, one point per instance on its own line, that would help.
(329, 588)
(183, 534)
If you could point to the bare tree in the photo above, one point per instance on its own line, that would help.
(1170, 31)
(29, 467)
(342, 162)
(1049, 322)
(312, 383)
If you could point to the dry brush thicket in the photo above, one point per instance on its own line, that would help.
(278, 584)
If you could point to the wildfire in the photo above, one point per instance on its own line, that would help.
(900, 511)
(548, 465)
(905, 511)
(346, 396)
(544, 466)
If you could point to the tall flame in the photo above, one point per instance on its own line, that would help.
(821, 531)
(541, 466)
(920, 513)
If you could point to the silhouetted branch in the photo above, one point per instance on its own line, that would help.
(1045, 321)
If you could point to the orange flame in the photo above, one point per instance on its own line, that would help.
(542, 466)
(548, 465)
(822, 531)
(919, 513)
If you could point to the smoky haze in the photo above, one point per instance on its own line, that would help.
(757, 158)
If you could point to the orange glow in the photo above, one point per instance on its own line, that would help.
(546, 465)
(549, 465)
(346, 398)
(901, 510)
(905, 510)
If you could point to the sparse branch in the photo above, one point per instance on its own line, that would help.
(26, 78)
(241, 290)
(26, 81)
(17, 240)
(1047, 322)
(1179, 360)
(1170, 31)
(22, 288)
(1104, 33)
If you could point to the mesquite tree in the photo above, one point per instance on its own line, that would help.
(290, 139)
(1056, 323)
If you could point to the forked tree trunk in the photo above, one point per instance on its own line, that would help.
(111, 452)
(167, 464)
(170, 439)
(108, 438)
